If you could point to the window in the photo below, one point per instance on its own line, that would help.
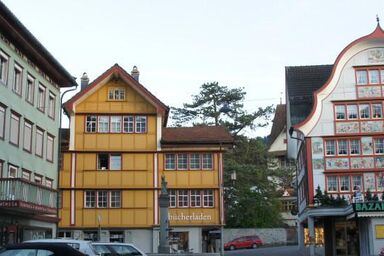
(207, 161)
(41, 98)
(343, 147)
(194, 161)
(116, 94)
(141, 124)
(382, 76)
(170, 162)
(115, 161)
(27, 141)
(357, 182)
(2, 121)
(128, 123)
(12, 171)
(195, 198)
(172, 198)
(30, 90)
(344, 183)
(355, 147)
(3, 67)
(39, 142)
(103, 124)
(50, 146)
(361, 77)
(102, 161)
(379, 146)
(102, 199)
(115, 199)
(38, 179)
(377, 111)
(330, 147)
(183, 198)
(364, 111)
(340, 112)
(380, 182)
(116, 124)
(48, 182)
(373, 76)
(332, 183)
(26, 175)
(51, 105)
(17, 79)
(182, 161)
(90, 199)
(352, 111)
(208, 200)
(91, 124)
(14, 129)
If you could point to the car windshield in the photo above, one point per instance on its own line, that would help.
(125, 250)
(26, 252)
(102, 249)
(74, 245)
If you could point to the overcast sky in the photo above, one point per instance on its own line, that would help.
(180, 44)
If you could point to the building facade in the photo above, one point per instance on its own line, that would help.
(339, 148)
(118, 148)
(30, 82)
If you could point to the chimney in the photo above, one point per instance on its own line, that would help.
(135, 73)
(84, 81)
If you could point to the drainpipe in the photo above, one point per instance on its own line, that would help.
(59, 152)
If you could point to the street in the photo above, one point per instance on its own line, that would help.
(269, 251)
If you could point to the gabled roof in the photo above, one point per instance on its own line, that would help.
(113, 72)
(279, 123)
(24, 41)
(301, 82)
(201, 135)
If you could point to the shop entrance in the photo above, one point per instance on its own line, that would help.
(179, 242)
(346, 239)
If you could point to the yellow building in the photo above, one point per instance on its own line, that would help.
(115, 152)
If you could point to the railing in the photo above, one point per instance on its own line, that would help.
(16, 189)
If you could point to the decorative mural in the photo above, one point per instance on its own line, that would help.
(379, 161)
(317, 147)
(372, 126)
(362, 162)
(337, 163)
(376, 56)
(347, 127)
(369, 181)
(369, 91)
(366, 143)
(318, 164)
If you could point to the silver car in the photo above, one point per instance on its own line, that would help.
(117, 249)
(80, 245)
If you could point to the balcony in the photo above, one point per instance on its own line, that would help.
(26, 197)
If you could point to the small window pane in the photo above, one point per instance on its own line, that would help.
(172, 198)
(182, 161)
(3, 67)
(343, 147)
(91, 124)
(332, 184)
(115, 199)
(357, 182)
(373, 76)
(183, 198)
(379, 146)
(361, 77)
(352, 111)
(102, 199)
(344, 183)
(364, 111)
(116, 124)
(355, 147)
(170, 161)
(194, 161)
(377, 111)
(103, 162)
(207, 161)
(30, 90)
(27, 141)
(50, 146)
(340, 112)
(115, 162)
(208, 198)
(128, 123)
(39, 142)
(90, 199)
(2, 122)
(141, 124)
(14, 129)
(330, 147)
(103, 123)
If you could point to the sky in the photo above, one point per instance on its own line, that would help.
(178, 45)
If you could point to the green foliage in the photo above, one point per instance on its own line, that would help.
(327, 200)
(368, 195)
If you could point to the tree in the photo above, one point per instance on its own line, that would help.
(207, 109)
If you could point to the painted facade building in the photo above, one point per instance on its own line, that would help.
(339, 146)
(30, 82)
(117, 149)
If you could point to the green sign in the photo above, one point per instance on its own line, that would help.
(369, 207)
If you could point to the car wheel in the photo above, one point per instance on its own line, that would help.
(232, 247)
(254, 246)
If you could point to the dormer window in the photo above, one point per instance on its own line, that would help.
(116, 94)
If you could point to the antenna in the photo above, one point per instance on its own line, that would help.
(281, 98)
(377, 19)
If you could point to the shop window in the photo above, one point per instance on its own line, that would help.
(379, 146)
(352, 111)
(178, 242)
(183, 198)
(330, 147)
(377, 111)
(208, 198)
(4, 63)
(332, 184)
(182, 161)
(195, 198)
(355, 147)
(90, 199)
(343, 147)
(170, 161)
(364, 111)
(344, 184)
(340, 112)
(207, 161)
(90, 236)
(64, 234)
(194, 161)
(116, 237)
(361, 77)
(91, 123)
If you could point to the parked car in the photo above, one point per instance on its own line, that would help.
(80, 245)
(112, 249)
(40, 249)
(244, 242)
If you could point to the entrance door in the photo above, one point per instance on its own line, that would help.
(346, 239)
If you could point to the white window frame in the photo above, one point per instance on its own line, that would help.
(361, 79)
(41, 97)
(363, 108)
(335, 180)
(170, 161)
(27, 136)
(2, 121)
(17, 85)
(207, 161)
(113, 160)
(354, 147)
(182, 161)
(90, 199)
(355, 184)
(115, 199)
(379, 145)
(14, 129)
(91, 123)
(4, 67)
(345, 182)
(195, 198)
(352, 112)
(103, 124)
(140, 124)
(329, 145)
(102, 199)
(128, 124)
(342, 147)
(374, 73)
(193, 164)
(50, 147)
(377, 110)
(116, 123)
(117, 93)
(341, 112)
(51, 105)
(183, 198)
(208, 198)
(12, 171)
(39, 142)
(172, 198)
(30, 89)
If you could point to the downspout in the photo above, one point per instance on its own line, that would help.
(59, 154)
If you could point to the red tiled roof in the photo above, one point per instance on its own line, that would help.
(196, 135)
(120, 72)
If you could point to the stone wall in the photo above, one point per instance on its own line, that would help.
(270, 236)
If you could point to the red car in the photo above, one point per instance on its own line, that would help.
(244, 242)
